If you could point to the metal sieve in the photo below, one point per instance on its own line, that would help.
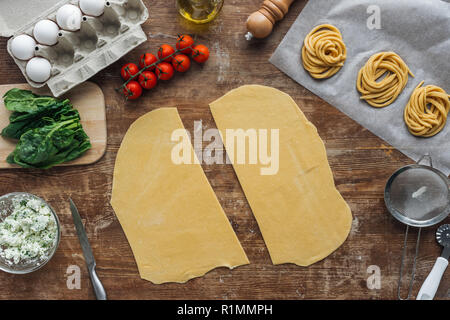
(419, 196)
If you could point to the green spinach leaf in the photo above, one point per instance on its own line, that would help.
(25, 101)
(20, 122)
(48, 129)
(50, 145)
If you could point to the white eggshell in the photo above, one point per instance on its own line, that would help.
(23, 46)
(92, 7)
(68, 17)
(46, 32)
(38, 69)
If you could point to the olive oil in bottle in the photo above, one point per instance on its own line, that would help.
(199, 11)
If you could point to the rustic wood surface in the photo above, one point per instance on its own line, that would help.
(361, 163)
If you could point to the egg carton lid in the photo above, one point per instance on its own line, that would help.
(16, 14)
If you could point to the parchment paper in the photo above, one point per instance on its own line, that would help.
(417, 30)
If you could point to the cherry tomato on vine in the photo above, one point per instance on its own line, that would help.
(146, 60)
(129, 70)
(164, 71)
(200, 53)
(132, 90)
(147, 80)
(185, 43)
(181, 63)
(165, 51)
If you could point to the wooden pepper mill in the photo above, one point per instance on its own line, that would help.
(260, 23)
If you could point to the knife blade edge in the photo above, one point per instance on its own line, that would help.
(82, 236)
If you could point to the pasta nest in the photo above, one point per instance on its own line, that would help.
(324, 51)
(382, 79)
(426, 112)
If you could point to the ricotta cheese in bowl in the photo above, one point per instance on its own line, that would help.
(29, 233)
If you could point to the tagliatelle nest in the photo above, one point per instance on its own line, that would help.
(382, 79)
(324, 51)
(427, 110)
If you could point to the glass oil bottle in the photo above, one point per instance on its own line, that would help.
(199, 11)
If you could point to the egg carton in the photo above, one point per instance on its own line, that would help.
(80, 54)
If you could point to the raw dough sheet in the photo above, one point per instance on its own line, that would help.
(302, 216)
(418, 31)
(170, 214)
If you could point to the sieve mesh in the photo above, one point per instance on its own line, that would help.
(419, 194)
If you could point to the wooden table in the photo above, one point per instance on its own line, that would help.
(361, 164)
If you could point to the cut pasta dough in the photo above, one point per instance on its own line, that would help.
(171, 217)
(382, 79)
(302, 216)
(323, 51)
(426, 112)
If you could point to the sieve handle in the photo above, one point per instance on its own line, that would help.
(426, 156)
(431, 283)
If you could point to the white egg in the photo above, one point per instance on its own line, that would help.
(68, 17)
(23, 46)
(46, 32)
(38, 69)
(92, 7)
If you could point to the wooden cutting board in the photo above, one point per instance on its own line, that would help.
(88, 99)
